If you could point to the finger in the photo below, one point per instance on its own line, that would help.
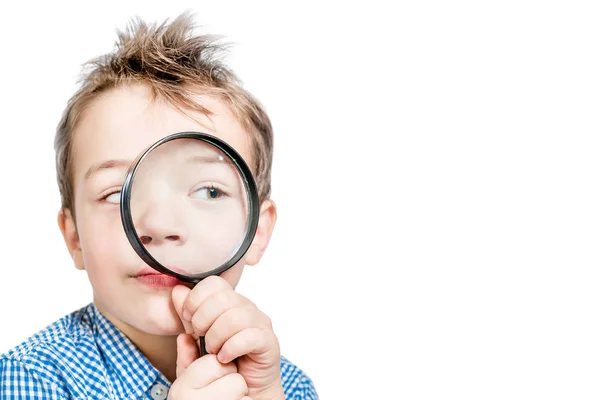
(204, 371)
(231, 322)
(248, 341)
(187, 352)
(203, 290)
(215, 305)
(179, 295)
(232, 386)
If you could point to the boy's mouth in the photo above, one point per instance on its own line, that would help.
(154, 279)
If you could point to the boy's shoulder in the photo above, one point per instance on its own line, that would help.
(45, 359)
(70, 328)
(296, 383)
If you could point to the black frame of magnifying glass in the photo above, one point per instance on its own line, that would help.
(253, 205)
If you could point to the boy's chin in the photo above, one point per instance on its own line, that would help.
(153, 315)
(150, 328)
(159, 318)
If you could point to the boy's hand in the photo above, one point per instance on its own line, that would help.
(204, 378)
(233, 329)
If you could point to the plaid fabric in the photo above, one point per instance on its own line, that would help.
(84, 356)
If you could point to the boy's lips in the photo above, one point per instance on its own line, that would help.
(155, 279)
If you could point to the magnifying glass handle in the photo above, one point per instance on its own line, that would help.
(202, 346)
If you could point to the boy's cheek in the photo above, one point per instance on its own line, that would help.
(104, 244)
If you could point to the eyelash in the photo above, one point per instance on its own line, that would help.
(105, 195)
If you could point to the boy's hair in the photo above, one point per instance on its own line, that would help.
(175, 65)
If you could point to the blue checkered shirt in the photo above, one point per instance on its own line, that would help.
(84, 356)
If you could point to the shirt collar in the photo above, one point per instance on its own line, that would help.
(128, 369)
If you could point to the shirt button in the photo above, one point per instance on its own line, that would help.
(159, 392)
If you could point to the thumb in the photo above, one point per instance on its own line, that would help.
(179, 296)
(187, 352)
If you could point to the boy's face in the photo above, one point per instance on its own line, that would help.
(117, 126)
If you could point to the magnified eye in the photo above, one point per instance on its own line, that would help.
(207, 193)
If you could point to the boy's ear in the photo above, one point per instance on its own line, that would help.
(266, 223)
(66, 223)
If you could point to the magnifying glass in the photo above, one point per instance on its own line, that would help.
(189, 206)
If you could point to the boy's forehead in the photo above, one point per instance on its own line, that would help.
(122, 122)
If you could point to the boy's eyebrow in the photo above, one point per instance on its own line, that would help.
(106, 165)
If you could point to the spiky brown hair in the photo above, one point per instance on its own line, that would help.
(175, 64)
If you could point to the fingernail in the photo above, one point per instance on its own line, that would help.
(187, 315)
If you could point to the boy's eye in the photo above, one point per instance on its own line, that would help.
(207, 193)
(113, 198)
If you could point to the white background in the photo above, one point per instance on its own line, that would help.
(436, 171)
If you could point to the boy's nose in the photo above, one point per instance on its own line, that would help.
(160, 225)
(146, 239)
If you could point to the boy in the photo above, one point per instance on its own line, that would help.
(136, 340)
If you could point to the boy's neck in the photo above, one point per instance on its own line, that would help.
(161, 351)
